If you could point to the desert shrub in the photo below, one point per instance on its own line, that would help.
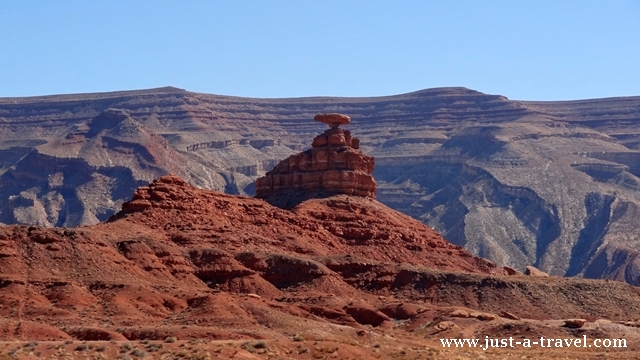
(138, 353)
(298, 338)
(253, 347)
(153, 347)
(101, 348)
(249, 347)
(170, 339)
(82, 347)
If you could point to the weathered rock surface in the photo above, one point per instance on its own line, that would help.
(511, 271)
(550, 184)
(333, 165)
(401, 311)
(508, 315)
(459, 313)
(532, 271)
(575, 323)
(333, 120)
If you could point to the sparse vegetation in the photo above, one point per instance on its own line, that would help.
(259, 347)
(170, 340)
(138, 353)
(249, 347)
(153, 347)
(200, 356)
(82, 347)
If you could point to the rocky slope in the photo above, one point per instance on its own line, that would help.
(343, 271)
(551, 184)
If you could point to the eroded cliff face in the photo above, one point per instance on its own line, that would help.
(83, 175)
(522, 193)
(555, 185)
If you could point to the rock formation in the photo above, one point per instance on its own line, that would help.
(334, 165)
(555, 185)
(532, 271)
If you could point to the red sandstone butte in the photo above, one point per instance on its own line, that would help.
(334, 165)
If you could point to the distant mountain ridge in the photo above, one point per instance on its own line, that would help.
(553, 184)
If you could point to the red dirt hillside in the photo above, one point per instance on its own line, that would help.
(179, 261)
(338, 225)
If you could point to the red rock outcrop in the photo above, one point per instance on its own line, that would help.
(334, 165)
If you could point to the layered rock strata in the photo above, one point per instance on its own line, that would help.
(555, 185)
(333, 165)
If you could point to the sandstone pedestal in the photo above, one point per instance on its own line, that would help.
(333, 165)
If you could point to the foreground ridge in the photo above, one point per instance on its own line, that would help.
(341, 272)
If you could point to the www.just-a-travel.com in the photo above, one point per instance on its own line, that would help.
(492, 343)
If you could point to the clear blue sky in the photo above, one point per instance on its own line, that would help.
(528, 50)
